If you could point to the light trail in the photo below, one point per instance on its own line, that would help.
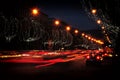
(40, 61)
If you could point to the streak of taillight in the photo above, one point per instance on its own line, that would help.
(98, 57)
(88, 57)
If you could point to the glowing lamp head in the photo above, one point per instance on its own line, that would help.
(76, 31)
(99, 21)
(35, 11)
(94, 11)
(57, 22)
(89, 37)
(83, 34)
(68, 28)
(103, 27)
(86, 36)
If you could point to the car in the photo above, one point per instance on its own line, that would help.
(94, 59)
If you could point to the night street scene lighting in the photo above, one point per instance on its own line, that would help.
(63, 39)
(35, 11)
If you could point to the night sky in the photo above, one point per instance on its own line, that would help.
(67, 10)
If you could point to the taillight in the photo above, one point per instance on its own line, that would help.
(98, 57)
(105, 54)
(88, 57)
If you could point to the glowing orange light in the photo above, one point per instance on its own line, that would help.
(105, 54)
(92, 39)
(94, 11)
(103, 27)
(102, 42)
(68, 28)
(89, 37)
(86, 36)
(83, 34)
(35, 11)
(104, 32)
(99, 21)
(57, 22)
(76, 31)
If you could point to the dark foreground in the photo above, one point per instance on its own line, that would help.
(60, 71)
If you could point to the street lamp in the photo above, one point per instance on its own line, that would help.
(76, 31)
(57, 22)
(68, 28)
(89, 38)
(94, 11)
(103, 27)
(35, 11)
(83, 34)
(99, 21)
(86, 36)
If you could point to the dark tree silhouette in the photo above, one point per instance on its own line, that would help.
(111, 10)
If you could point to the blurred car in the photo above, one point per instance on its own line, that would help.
(101, 58)
(94, 58)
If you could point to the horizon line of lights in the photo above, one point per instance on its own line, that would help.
(92, 39)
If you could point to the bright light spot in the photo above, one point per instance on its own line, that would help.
(18, 55)
(89, 37)
(86, 36)
(94, 11)
(101, 59)
(57, 22)
(92, 39)
(62, 48)
(25, 55)
(98, 57)
(103, 27)
(110, 55)
(99, 21)
(76, 31)
(68, 28)
(116, 55)
(93, 55)
(35, 11)
(83, 34)
(88, 57)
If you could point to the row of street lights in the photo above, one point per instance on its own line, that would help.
(92, 39)
(68, 28)
(35, 12)
(94, 12)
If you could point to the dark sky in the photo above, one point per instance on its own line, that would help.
(67, 10)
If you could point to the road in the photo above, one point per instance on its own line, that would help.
(70, 67)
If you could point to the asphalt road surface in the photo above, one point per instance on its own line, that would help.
(68, 70)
